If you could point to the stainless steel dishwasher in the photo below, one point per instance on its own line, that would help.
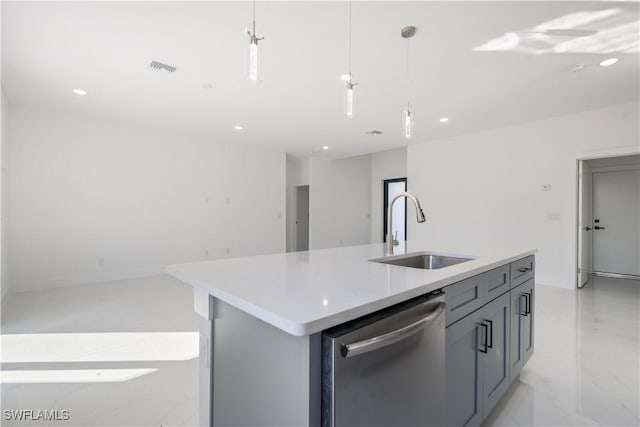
(388, 368)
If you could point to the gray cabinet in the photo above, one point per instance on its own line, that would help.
(488, 345)
(477, 363)
(522, 323)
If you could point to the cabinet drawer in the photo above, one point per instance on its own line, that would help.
(522, 270)
(496, 282)
(463, 298)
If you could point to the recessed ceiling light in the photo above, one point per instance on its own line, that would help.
(577, 68)
(325, 147)
(444, 119)
(238, 127)
(608, 62)
(80, 92)
(345, 77)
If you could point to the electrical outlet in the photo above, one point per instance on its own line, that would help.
(227, 251)
(100, 262)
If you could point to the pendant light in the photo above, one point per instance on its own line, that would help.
(349, 95)
(407, 115)
(254, 68)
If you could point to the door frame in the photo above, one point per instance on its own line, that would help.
(575, 165)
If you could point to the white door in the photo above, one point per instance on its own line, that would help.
(585, 229)
(616, 222)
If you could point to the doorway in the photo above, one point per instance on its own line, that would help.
(399, 227)
(609, 218)
(302, 218)
(616, 218)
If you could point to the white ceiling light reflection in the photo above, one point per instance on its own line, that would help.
(99, 347)
(600, 31)
(71, 376)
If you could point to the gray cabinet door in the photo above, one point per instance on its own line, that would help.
(528, 321)
(522, 321)
(494, 339)
(464, 400)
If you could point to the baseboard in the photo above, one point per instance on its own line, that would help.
(86, 279)
(616, 275)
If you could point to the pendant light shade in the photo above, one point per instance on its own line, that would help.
(348, 99)
(253, 59)
(407, 123)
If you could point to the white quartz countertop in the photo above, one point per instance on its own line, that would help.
(306, 292)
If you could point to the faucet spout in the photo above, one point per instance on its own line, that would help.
(391, 242)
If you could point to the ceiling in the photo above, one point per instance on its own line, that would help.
(482, 64)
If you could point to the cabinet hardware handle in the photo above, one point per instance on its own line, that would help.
(486, 337)
(380, 341)
(526, 304)
(597, 227)
(523, 269)
(490, 322)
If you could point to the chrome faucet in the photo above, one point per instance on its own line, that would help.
(391, 242)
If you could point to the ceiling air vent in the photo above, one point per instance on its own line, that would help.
(374, 132)
(158, 66)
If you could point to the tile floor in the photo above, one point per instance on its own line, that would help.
(130, 350)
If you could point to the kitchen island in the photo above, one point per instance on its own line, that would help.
(262, 318)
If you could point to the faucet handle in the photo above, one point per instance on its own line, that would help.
(395, 239)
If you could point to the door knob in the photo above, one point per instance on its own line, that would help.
(587, 228)
(597, 227)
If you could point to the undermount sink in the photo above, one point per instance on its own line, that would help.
(424, 260)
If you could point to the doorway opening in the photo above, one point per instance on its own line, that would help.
(399, 227)
(302, 218)
(608, 236)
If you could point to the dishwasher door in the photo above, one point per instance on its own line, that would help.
(387, 369)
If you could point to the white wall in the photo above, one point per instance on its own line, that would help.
(340, 201)
(4, 184)
(92, 200)
(485, 187)
(297, 175)
(384, 165)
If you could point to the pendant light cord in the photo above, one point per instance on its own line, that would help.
(349, 38)
(408, 77)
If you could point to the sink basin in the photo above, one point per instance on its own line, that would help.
(425, 260)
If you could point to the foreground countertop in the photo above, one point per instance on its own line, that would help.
(303, 293)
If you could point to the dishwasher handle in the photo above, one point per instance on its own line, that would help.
(380, 341)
